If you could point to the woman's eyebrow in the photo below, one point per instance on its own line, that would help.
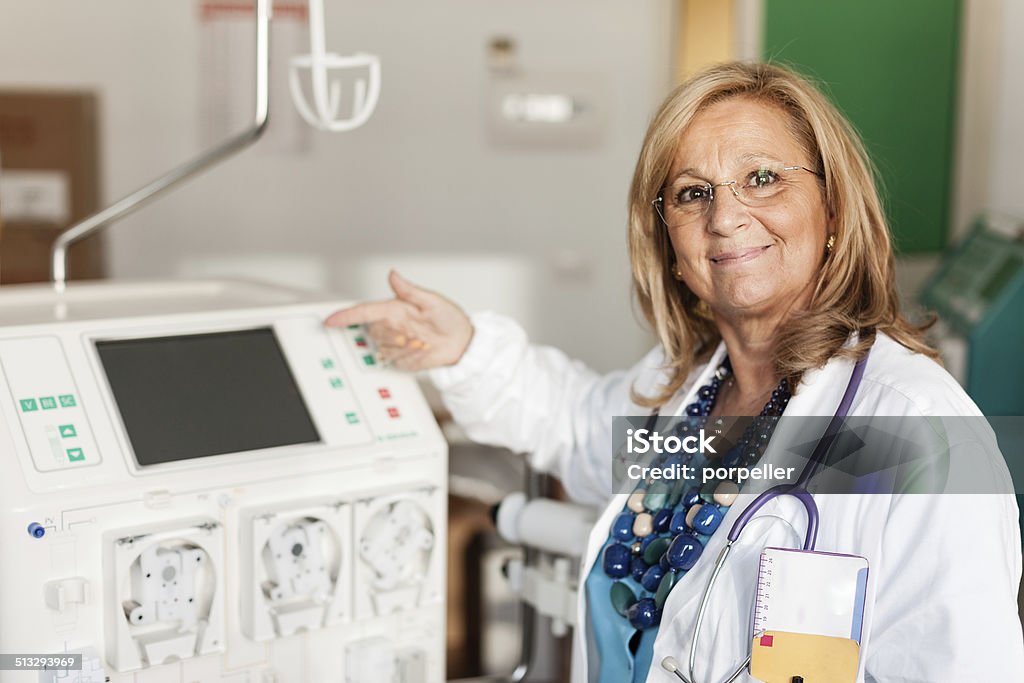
(691, 173)
(755, 157)
(742, 160)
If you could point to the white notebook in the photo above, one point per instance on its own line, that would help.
(804, 591)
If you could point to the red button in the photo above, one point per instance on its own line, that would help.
(393, 412)
(384, 393)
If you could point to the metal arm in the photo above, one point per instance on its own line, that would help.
(122, 207)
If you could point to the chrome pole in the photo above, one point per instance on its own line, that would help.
(137, 199)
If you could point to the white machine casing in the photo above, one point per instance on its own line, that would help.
(315, 562)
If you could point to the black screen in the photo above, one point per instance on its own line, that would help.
(205, 394)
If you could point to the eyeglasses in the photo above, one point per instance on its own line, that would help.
(687, 200)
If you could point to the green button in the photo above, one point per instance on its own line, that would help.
(67, 400)
(327, 363)
(47, 402)
(369, 359)
(336, 382)
(352, 418)
(67, 431)
(75, 454)
(28, 405)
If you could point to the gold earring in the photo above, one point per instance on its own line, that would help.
(675, 272)
(830, 243)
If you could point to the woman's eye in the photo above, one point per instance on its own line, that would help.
(691, 193)
(762, 177)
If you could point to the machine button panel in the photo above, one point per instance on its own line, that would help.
(53, 422)
(321, 374)
(358, 341)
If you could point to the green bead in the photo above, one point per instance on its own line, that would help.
(664, 588)
(655, 549)
(707, 491)
(655, 501)
(656, 496)
(677, 494)
(622, 597)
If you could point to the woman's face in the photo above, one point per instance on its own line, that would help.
(745, 261)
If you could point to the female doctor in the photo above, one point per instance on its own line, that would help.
(762, 260)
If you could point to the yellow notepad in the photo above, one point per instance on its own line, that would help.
(778, 656)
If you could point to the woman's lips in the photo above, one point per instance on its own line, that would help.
(738, 256)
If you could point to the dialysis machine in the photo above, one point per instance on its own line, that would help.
(200, 482)
(979, 292)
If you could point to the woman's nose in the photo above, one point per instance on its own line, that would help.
(727, 213)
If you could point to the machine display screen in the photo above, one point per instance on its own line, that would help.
(197, 395)
(1007, 269)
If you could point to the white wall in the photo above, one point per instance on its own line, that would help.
(422, 176)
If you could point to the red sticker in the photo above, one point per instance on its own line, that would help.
(766, 641)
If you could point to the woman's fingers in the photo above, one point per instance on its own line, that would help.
(371, 311)
(418, 329)
(403, 359)
(407, 291)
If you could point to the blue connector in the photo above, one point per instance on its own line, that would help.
(36, 530)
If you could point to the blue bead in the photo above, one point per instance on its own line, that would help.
(691, 497)
(637, 567)
(705, 393)
(677, 524)
(684, 552)
(664, 563)
(652, 577)
(616, 560)
(733, 457)
(674, 460)
(661, 520)
(707, 519)
(643, 614)
(622, 527)
(693, 409)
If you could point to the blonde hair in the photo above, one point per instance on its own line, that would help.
(855, 289)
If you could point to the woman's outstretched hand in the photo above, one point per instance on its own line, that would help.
(417, 330)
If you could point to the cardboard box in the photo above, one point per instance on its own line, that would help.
(49, 179)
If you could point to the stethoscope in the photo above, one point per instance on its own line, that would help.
(798, 491)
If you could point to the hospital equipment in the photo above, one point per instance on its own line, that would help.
(978, 292)
(558, 529)
(201, 482)
(798, 491)
(327, 99)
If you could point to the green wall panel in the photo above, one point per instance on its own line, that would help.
(890, 66)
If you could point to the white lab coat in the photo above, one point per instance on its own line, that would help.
(944, 569)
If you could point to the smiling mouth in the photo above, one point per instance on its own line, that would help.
(739, 256)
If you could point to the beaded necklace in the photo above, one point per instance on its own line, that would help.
(661, 533)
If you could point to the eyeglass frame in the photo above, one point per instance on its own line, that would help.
(710, 188)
